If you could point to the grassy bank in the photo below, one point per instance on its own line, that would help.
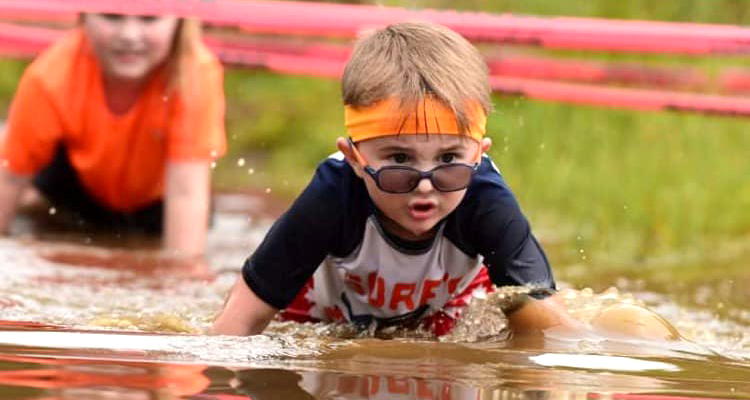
(603, 187)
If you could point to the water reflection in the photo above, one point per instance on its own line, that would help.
(34, 377)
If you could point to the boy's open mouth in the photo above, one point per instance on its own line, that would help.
(422, 209)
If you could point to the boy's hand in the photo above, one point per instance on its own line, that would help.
(631, 321)
(244, 313)
(536, 316)
(622, 321)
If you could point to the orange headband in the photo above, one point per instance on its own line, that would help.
(430, 117)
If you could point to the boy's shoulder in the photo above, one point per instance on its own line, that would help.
(335, 176)
(337, 188)
(487, 183)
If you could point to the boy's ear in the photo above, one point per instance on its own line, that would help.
(345, 148)
(485, 144)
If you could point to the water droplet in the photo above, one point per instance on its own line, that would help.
(240, 162)
(579, 237)
(52, 211)
(580, 251)
(213, 164)
(541, 146)
(505, 148)
(250, 171)
(268, 190)
(625, 207)
(214, 153)
(583, 257)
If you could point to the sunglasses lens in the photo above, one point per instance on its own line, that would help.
(451, 177)
(398, 180)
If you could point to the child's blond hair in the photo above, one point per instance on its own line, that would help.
(408, 61)
(187, 37)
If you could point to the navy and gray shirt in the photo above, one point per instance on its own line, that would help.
(332, 234)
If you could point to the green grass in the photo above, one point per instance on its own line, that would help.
(618, 187)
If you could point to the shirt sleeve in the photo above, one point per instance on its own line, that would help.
(297, 243)
(503, 235)
(197, 131)
(34, 128)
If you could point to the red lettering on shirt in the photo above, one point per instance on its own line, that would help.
(334, 313)
(453, 283)
(403, 292)
(355, 283)
(374, 280)
(428, 290)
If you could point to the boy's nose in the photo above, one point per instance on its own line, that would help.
(424, 186)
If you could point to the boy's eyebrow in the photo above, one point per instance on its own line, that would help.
(396, 148)
(455, 147)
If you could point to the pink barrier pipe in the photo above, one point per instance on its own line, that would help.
(285, 17)
(625, 98)
(25, 41)
(735, 81)
(595, 72)
(311, 64)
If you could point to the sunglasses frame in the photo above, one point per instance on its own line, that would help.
(375, 174)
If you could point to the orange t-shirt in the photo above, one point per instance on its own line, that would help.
(120, 159)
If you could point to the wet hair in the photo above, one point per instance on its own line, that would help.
(409, 61)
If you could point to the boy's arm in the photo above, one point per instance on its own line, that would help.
(535, 315)
(243, 314)
(186, 207)
(291, 251)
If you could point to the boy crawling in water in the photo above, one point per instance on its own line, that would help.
(411, 218)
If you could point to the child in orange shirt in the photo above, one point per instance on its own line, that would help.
(118, 122)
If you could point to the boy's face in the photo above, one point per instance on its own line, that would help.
(130, 46)
(413, 215)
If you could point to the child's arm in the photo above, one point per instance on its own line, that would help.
(243, 313)
(533, 315)
(11, 186)
(186, 208)
(291, 251)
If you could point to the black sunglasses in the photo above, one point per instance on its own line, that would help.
(445, 178)
(401, 179)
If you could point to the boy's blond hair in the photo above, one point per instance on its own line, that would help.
(408, 61)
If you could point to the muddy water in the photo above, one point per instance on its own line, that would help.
(85, 321)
